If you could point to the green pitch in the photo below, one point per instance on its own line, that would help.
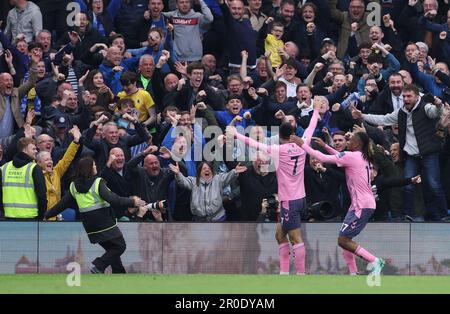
(198, 284)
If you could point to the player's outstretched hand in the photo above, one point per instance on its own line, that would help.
(318, 141)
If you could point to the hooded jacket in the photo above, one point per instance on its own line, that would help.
(206, 198)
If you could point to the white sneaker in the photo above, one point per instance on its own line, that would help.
(301, 274)
(376, 266)
(284, 273)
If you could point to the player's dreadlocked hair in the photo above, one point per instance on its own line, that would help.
(367, 148)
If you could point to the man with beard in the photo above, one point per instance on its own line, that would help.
(391, 97)
(420, 146)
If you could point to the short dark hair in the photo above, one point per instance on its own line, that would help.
(158, 30)
(411, 88)
(287, 2)
(85, 168)
(286, 130)
(24, 142)
(34, 44)
(278, 24)
(195, 66)
(395, 74)
(374, 58)
(365, 45)
(302, 85)
(279, 84)
(114, 37)
(128, 78)
(339, 132)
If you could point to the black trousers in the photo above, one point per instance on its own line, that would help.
(114, 249)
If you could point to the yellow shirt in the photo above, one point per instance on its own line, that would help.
(143, 101)
(272, 44)
(53, 179)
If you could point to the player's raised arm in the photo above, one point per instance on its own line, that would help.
(318, 102)
(231, 132)
(330, 159)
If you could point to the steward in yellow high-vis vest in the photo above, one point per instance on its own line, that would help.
(90, 195)
(23, 191)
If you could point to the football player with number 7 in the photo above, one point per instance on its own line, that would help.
(357, 164)
(290, 163)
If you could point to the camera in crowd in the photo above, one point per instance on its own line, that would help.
(272, 208)
(321, 211)
(159, 205)
(273, 203)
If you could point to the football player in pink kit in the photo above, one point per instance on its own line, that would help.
(290, 163)
(357, 171)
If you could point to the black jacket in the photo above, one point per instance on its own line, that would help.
(102, 148)
(20, 160)
(95, 220)
(149, 188)
(119, 184)
(424, 130)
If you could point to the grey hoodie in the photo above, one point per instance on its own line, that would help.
(187, 34)
(206, 198)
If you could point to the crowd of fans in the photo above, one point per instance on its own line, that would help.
(137, 83)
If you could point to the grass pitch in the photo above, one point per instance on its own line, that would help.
(222, 284)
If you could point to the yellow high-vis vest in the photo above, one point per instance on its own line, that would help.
(19, 197)
(90, 200)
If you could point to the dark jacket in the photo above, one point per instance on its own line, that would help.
(149, 188)
(256, 187)
(101, 148)
(119, 184)
(125, 20)
(86, 41)
(95, 220)
(20, 160)
(240, 36)
(186, 97)
(424, 130)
